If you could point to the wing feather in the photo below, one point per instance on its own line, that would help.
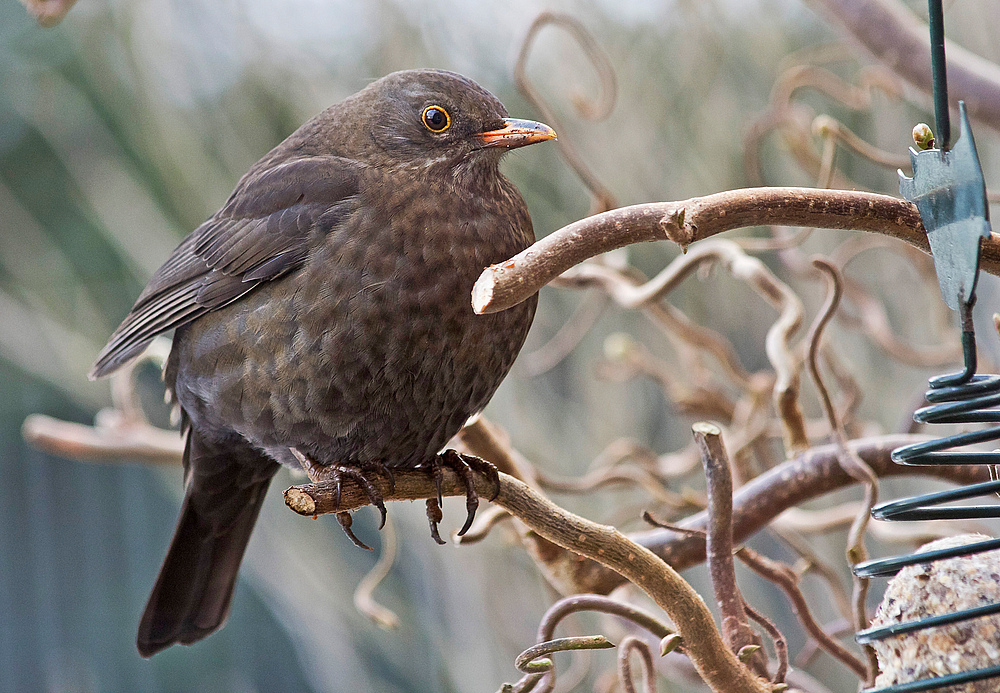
(265, 230)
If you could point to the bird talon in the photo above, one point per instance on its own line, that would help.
(436, 464)
(335, 473)
(434, 516)
(345, 520)
(471, 505)
(487, 469)
(392, 477)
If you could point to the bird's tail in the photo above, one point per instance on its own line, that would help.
(224, 494)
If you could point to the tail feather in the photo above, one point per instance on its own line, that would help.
(194, 589)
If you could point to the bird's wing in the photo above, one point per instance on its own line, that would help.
(262, 233)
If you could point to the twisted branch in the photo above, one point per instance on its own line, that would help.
(508, 283)
(703, 642)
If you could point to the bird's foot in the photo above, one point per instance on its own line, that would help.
(463, 465)
(346, 521)
(335, 474)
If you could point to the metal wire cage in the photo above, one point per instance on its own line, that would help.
(960, 398)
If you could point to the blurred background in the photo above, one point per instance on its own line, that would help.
(128, 124)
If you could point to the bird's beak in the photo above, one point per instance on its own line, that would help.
(516, 133)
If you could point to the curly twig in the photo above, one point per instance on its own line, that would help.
(603, 200)
(750, 270)
(785, 578)
(851, 463)
(588, 602)
(631, 644)
(363, 599)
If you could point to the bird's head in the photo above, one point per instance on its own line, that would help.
(420, 118)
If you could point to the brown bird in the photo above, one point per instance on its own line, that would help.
(323, 320)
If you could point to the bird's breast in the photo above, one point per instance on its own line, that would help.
(372, 349)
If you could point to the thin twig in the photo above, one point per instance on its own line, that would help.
(777, 637)
(810, 562)
(832, 130)
(363, 599)
(603, 200)
(851, 463)
(620, 474)
(786, 579)
(562, 343)
(529, 662)
(628, 645)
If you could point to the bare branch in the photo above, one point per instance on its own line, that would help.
(897, 38)
(110, 441)
(703, 643)
(506, 284)
(735, 628)
(783, 576)
(812, 474)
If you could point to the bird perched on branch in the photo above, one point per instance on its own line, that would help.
(323, 320)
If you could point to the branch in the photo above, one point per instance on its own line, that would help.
(898, 39)
(703, 643)
(786, 579)
(735, 628)
(48, 13)
(506, 284)
(111, 440)
(810, 475)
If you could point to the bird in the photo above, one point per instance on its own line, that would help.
(322, 320)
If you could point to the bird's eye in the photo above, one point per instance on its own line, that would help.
(436, 119)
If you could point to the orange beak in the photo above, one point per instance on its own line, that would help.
(516, 133)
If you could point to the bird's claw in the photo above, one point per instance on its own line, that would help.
(334, 473)
(434, 516)
(463, 466)
(345, 520)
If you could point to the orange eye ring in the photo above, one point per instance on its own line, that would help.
(435, 118)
